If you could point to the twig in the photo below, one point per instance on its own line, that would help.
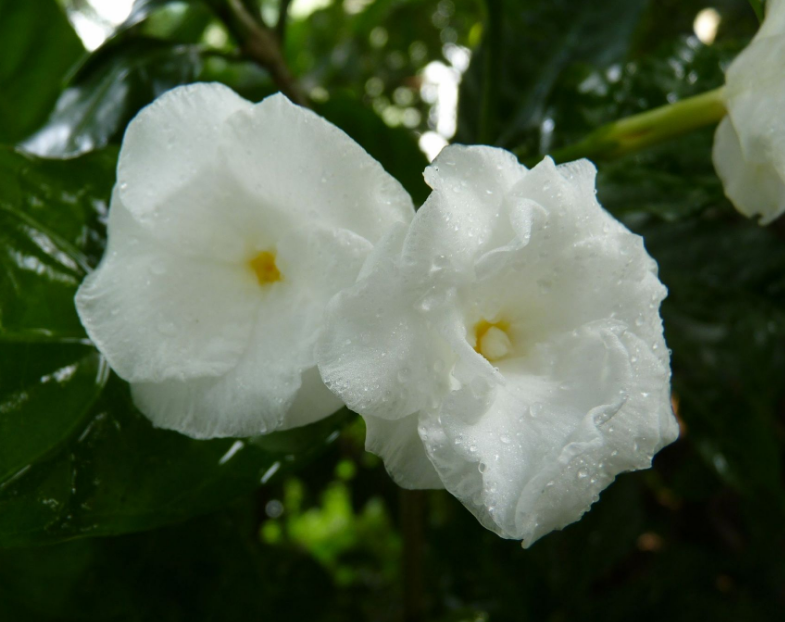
(260, 44)
(283, 20)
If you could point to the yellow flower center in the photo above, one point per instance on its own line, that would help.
(263, 266)
(492, 339)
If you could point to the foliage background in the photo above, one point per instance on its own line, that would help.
(103, 517)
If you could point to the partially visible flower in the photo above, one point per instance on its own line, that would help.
(231, 226)
(508, 346)
(749, 146)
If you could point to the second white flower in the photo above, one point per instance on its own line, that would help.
(508, 346)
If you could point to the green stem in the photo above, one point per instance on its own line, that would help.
(646, 129)
(489, 107)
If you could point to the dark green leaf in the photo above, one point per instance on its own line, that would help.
(107, 92)
(725, 321)
(204, 570)
(37, 48)
(143, 8)
(49, 233)
(121, 475)
(542, 39)
(45, 392)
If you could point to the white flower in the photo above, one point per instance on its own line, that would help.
(749, 146)
(508, 345)
(230, 228)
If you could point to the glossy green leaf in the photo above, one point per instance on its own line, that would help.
(121, 475)
(108, 90)
(45, 392)
(37, 49)
(141, 9)
(49, 233)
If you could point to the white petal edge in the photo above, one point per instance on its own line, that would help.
(156, 315)
(299, 163)
(171, 142)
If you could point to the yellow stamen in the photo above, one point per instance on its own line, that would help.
(263, 266)
(492, 339)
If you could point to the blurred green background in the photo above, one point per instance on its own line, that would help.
(104, 518)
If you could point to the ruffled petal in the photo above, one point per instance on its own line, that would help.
(567, 420)
(297, 163)
(398, 444)
(314, 401)
(461, 218)
(375, 352)
(755, 189)
(156, 315)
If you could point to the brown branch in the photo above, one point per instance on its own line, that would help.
(283, 17)
(260, 44)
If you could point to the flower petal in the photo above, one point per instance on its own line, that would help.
(374, 352)
(558, 432)
(314, 401)
(274, 384)
(756, 189)
(749, 145)
(460, 220)
(171, 143)
(398, 444)
(156, 315)
(298, 163)
(253, 397)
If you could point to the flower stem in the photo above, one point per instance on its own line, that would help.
(260, 44)
(646, 129)
(491, 71)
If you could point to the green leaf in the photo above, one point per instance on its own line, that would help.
(725, 321)
(541, 40)
(45, 392)
(141, 9)
(121, 475)
(37, 48)
(107, 92)
(49, 233)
